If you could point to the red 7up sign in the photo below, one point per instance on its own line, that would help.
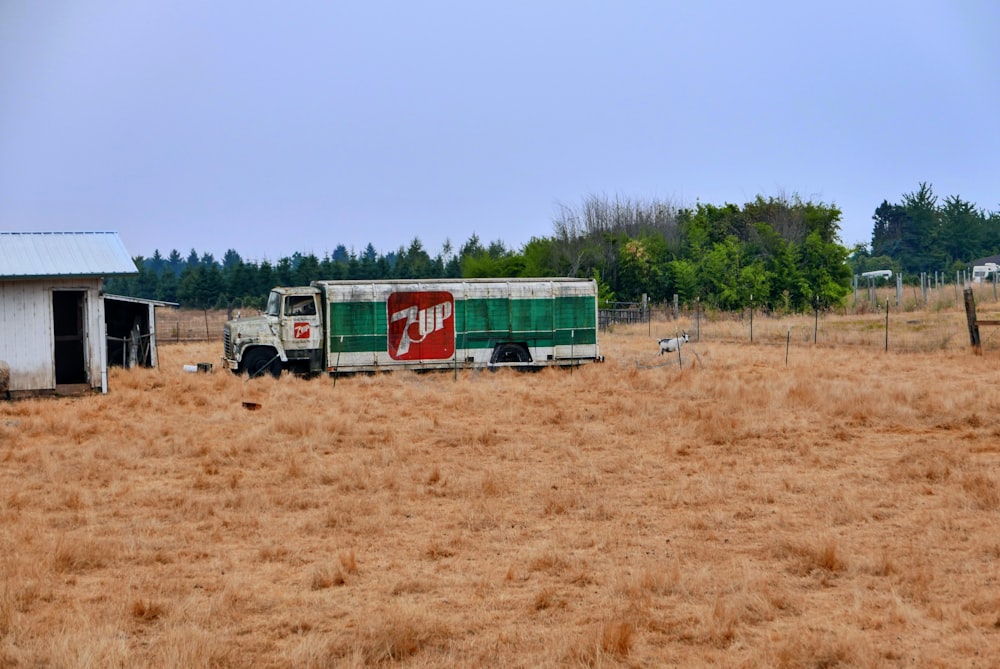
(421, 325)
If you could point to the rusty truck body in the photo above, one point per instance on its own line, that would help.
(363, 326)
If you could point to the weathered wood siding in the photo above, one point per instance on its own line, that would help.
(27, 341)
(26, 334)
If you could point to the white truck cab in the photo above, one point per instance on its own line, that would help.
(288, 334)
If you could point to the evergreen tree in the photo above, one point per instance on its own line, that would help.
(921, 236)
(157, 263)
(963, 230)
(367, 267)
(340, 254)
(167, 286)
(200, 286)
(231, 260)
(240, 281)
(307, 270)
(144, 285)
(265, 279)
(175, 263)
(284, 273)
(413, 262)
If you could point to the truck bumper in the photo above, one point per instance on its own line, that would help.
(230, 364)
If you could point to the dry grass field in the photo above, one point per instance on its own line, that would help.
(820, 505)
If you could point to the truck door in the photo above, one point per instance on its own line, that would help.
(300, 323)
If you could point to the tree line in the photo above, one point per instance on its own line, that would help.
(921, 233)
(776, 253)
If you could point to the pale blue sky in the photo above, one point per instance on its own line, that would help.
(280, 127)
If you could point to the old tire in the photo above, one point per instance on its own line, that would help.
(261, 360)
(511, 353)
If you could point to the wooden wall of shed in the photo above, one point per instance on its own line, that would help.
(27, 341)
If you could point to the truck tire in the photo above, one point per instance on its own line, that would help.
(511, 353)
(261, 360)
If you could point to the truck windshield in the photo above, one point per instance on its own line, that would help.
(273, 303)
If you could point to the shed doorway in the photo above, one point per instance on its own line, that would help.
(70, 336)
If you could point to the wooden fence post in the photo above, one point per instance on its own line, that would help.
(970, 317)
(816, 322)
(887, 326)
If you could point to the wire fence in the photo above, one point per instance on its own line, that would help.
(928, 319)
(192, 325)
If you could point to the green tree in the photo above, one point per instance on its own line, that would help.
(825, 270)
(887, 232)
(963, 230)
(787, 290)
(683, 279)
(175, 264)
(493, 261)
(754, 285)
(451, 267)
(638, 271)
(605, 296)
(200, 286)
(157, 263)
(307, 270)
(241, 281)
(284, 272)
(921, 239)
(144, 285)
(368, 266)
(719, 274)
(540, 257)
(265, 279)
(413, 262)
(167, 286)
(230, 260)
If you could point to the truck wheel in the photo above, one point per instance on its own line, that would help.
(511, 353)
(261, 360)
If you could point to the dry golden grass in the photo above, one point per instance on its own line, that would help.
(837, 510)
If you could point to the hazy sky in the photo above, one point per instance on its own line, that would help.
(279, 127)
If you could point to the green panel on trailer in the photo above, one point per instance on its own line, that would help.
(485, 314)
(532, 314)
(575, 312)
(489, 321)
(535, 315)
(357, 326)
(490, 338)
(354, 318)
(479, 323)
(576, 337)
(358, 343)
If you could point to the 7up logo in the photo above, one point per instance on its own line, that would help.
(421, 325)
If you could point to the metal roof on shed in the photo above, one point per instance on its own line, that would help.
(140, 300)
(35, 255)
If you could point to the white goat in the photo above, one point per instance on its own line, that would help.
(673, 343)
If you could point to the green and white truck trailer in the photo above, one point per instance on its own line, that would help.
(365, 326)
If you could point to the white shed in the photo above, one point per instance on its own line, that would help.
(53, 332)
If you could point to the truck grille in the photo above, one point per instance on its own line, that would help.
(227, 342)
